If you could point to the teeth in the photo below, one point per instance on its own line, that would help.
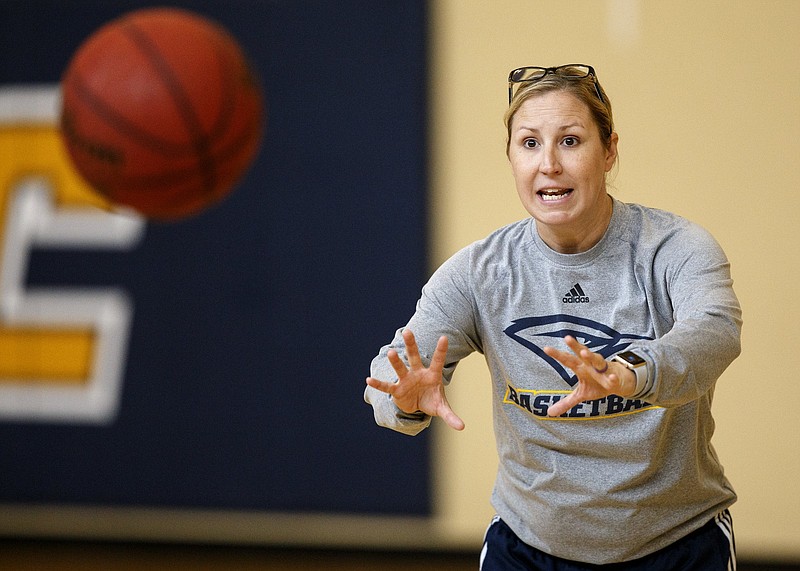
(554, 194)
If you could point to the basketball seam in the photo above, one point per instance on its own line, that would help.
(126, 127)
(221, 155)
(199, 141)
(131, 131)
(227, 97)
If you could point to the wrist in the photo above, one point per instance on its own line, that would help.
(634, 380)
(627, 381)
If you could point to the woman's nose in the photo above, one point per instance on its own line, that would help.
(550, 162)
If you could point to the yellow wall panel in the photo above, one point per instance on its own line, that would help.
(707, 106)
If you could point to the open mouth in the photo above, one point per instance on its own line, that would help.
(553, 194)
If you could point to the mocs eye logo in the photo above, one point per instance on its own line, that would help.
(536, 332)
(62, 350)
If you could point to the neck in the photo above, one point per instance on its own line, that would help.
(582, 235)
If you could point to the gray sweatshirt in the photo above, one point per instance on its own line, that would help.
(612, 479)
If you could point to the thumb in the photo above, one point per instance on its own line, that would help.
(449, 417)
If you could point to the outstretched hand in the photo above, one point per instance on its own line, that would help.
(419, 388)
(597, 378)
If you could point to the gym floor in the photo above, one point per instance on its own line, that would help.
(30, 555)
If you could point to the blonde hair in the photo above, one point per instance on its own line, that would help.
(582, 88)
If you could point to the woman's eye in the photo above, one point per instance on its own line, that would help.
(570, 141)
(530, 143)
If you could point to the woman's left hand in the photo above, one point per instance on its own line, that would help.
(597, 378)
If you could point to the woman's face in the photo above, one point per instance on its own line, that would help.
(559, 165)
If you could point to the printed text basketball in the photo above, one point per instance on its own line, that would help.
(161, 112)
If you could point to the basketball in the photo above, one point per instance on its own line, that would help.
(161, 112)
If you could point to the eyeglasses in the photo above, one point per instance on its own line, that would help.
(532, 74)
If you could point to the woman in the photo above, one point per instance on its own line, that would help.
(605, 326)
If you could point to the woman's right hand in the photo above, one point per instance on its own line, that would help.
(419, 389)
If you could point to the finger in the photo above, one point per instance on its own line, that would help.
(440, 354)
(449, 417)
(575, 345)
(594, 361)
(563, 405)
(567, 359)
(397, 363)
(615, 384)
(383, 386)
(412, 351)
(453, 421)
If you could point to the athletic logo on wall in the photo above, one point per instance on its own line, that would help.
(534, 333)
(62, 351)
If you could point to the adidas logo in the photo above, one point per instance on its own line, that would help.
(576, 295)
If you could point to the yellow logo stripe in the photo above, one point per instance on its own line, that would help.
(28, 354)
(62, 348)
(39, 356)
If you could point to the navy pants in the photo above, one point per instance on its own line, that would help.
(710, 548)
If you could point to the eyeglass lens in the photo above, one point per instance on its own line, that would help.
(535, 73)
(531, 74)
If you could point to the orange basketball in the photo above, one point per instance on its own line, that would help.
(161, 112)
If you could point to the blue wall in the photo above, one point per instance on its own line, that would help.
(254, 322)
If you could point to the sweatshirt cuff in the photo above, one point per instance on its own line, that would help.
(389, 415)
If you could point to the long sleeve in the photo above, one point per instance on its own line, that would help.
(446, 307)
(705, 317)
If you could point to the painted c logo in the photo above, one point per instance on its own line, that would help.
(62, 351)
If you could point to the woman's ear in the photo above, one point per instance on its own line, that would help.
(611, 151)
